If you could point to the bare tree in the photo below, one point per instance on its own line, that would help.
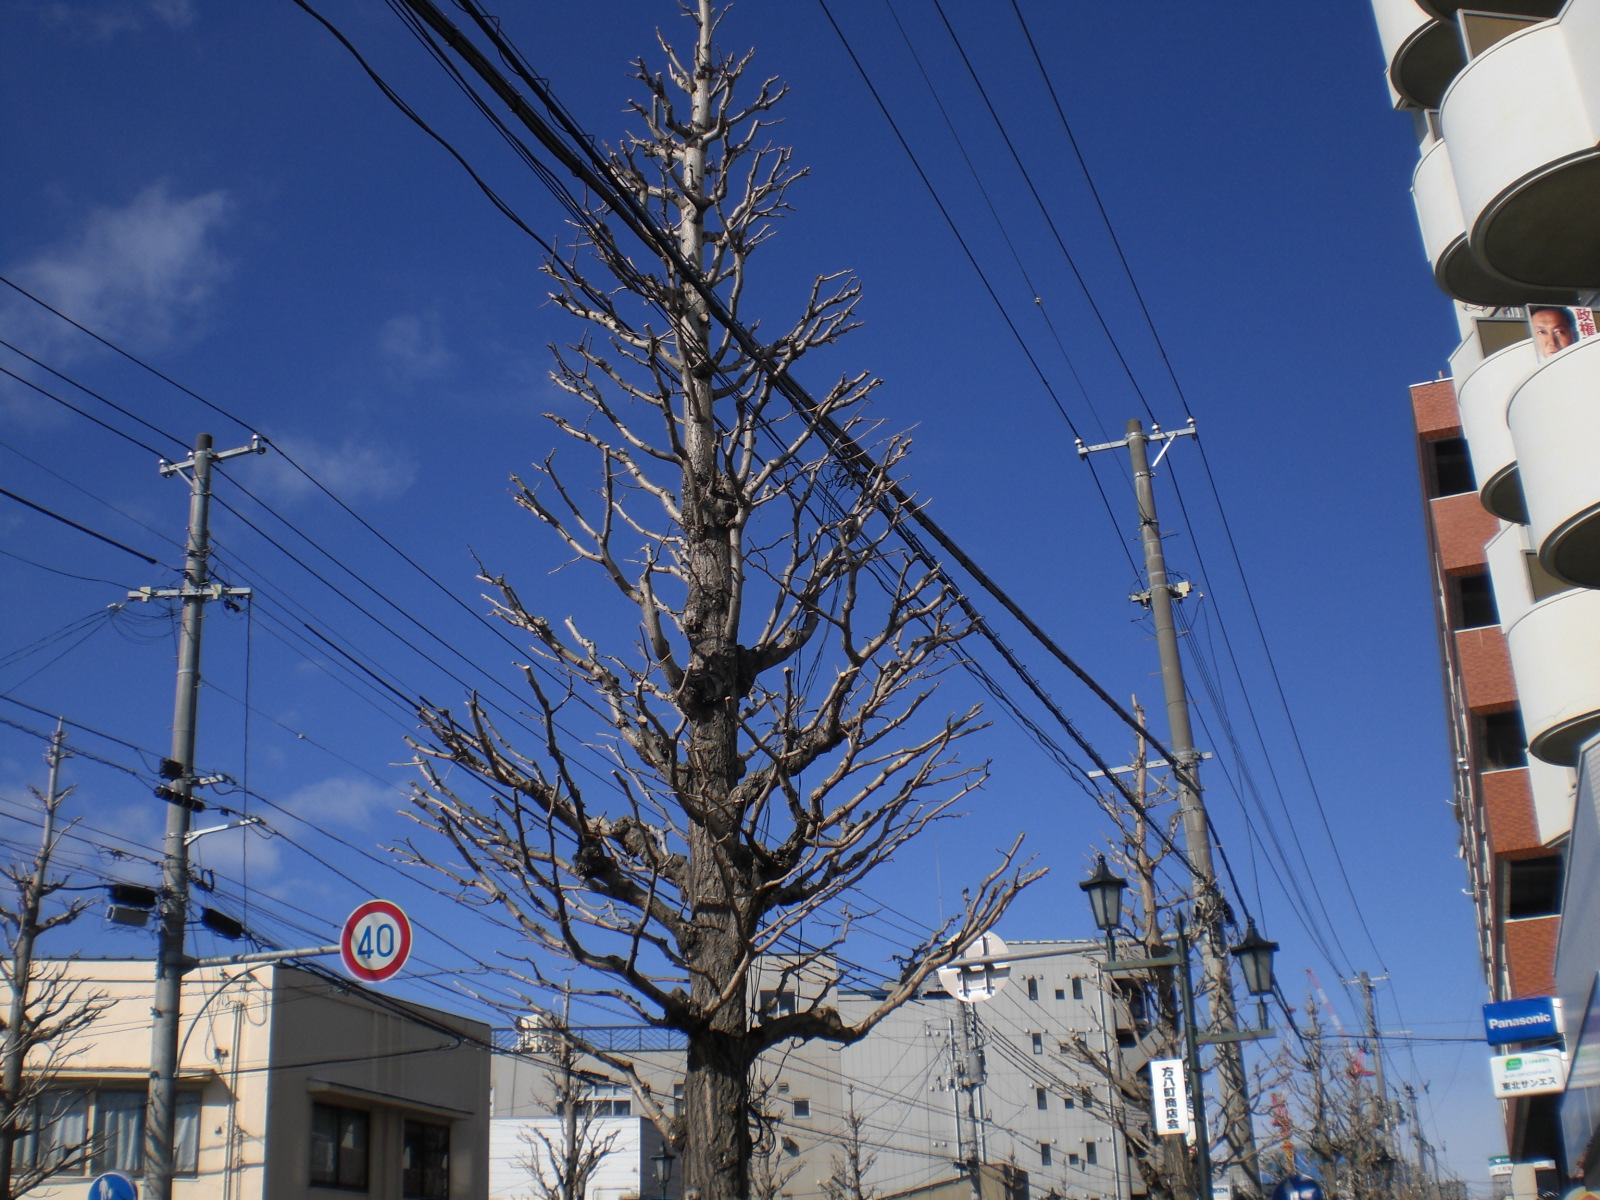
(853, 1163)
(562, 1166)
(1331, 1115)
(45, 1010)
(1139, 844)
(1143, 837)
(770, 733)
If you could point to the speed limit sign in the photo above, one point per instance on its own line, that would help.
(376, 941)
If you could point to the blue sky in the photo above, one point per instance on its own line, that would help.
(221, 191)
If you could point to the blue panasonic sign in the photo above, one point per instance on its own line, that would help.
(1520, 1020)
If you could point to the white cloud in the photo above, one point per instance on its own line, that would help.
(108, 18)
(412, 347)
(142, 274)
(351, 802)
(351, 470)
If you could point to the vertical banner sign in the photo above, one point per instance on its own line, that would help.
(1169, 1096)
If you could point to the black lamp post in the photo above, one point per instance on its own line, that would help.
(1255, 953)
(663, 1159)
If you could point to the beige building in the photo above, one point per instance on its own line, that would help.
(293, 1084)
(936, 1085)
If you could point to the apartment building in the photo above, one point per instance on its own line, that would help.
(936, 1085)
(1504, 96)
(292, 1085)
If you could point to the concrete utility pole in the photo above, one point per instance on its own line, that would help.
(171, 961)
(1368, 985)
(1424, 1187)
(968, 1076)
(1208, 907)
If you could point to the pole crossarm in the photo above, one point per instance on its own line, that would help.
(211, 591)
(1156, 434)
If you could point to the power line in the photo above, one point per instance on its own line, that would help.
(55, 516)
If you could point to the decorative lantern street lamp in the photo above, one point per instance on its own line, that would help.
(1255, 953)
(663, 1159)
(1104, 889)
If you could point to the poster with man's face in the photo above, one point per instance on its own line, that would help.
(1554, 328)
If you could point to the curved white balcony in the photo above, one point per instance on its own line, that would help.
(1456, 268)
(1447, 9)
(1555, 656)
(1424, 54)
(1522, 137)
(1483, 397)
(1554, 419)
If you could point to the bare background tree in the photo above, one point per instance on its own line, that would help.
(562, 1166)
(770, 733)
(1140, 845)
(1332, 1117)
(44, 1011)
(853, 1162)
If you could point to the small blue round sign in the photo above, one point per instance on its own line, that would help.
(113, 1185)
(1297, 1187)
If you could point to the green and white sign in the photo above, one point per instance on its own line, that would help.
(1530, 1074)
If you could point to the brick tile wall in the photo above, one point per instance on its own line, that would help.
(1531, 955)
(1485, 666)
(1462, 526)
(1434, 407)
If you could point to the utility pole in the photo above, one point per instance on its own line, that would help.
(171, 961)
(1208, 907)
(967, 1057)
(1368, 986)
(1423, 1188)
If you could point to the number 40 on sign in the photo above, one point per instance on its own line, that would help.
(376, 941)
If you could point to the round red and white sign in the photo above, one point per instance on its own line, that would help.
(376, 941)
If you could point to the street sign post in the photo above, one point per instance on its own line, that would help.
(376, 941)
(113, 1185)
(972, 982)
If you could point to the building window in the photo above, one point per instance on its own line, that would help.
(1077, 987)
(425, 1162)
(339, 1146)
(1501, 742)
(63, 1145)
(1068, 1102)
(1072, 1160)
(1038, 1043)
(1471, 602)
(1533, 887)
(1089, 1153)
(1033, 987)
(802, 1109)
(777, 1004)
(1061, 993)
(119, 1132)
(790, 1147)
(1041, 1099)
(677, 1099)
(1447, 467)
(1044, 1154)
(63, 1132)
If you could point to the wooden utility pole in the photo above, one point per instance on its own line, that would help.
(1209, 909)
